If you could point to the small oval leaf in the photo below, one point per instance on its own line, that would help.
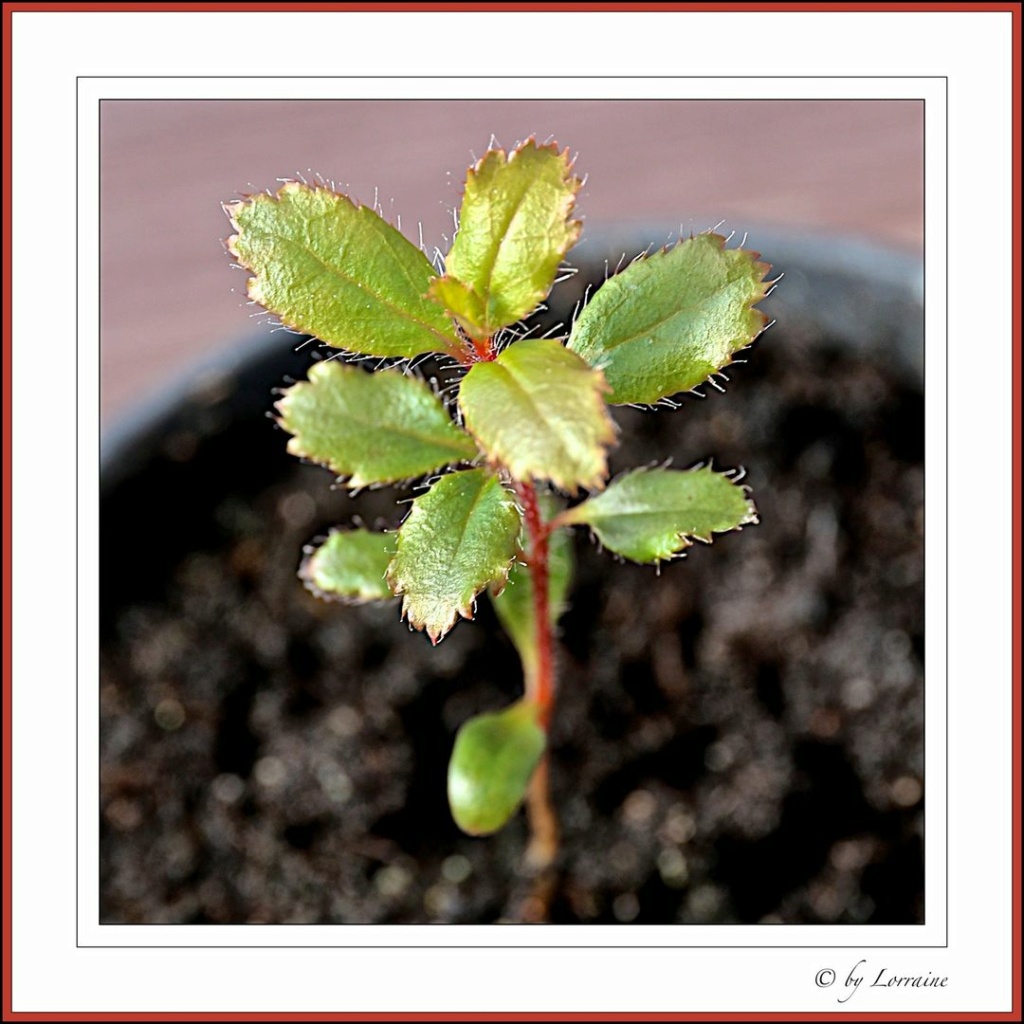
(351, 565)
(492, 762)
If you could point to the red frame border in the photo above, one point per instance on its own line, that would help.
(1014, 9)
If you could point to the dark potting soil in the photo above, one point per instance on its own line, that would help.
(738, 738)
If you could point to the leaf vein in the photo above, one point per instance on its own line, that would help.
(348, 279)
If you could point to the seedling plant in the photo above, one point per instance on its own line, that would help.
(516, 455)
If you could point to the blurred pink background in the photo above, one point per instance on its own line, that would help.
(170, 300)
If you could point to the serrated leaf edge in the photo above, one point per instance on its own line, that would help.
(354, 482)
(607, 439)
(573, 227)
(451, 345)
(763, 267)
(684, 539)
(468, 609)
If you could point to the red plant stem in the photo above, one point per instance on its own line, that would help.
(484, 351)
(475, 350)
(540, 685)
(540, 682)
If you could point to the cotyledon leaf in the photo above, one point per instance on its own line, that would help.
(492, 762)
(458, 537)
(514, 604)
(514, 230)
(539, 410)
(670, 320)
(329, 267)
(351, 565)
(372, 428)
(652, 514)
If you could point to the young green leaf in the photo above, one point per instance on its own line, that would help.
(492, 762)
(514, 604)
(459, 537)
(329, 267)
(670, 320)
(350, 564)
(652, 514)
(373, 428)
(539, 410)
(514, 230)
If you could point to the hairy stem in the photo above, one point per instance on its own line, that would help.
(484, 351)
(540, 683)
(474, 350)
(540, 680)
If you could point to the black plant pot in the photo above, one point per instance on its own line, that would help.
(739, 740)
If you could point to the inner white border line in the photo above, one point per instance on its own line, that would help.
(932, 934)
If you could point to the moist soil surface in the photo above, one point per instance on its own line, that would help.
(738, 738)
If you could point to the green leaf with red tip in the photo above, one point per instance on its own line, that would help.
(329, 267)
(350, 565)
(514, 230)
(492, 762)
(670, 320)
(459, 537)
(372, 428)
(539, 410)
(652, 514)
(514, 604)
